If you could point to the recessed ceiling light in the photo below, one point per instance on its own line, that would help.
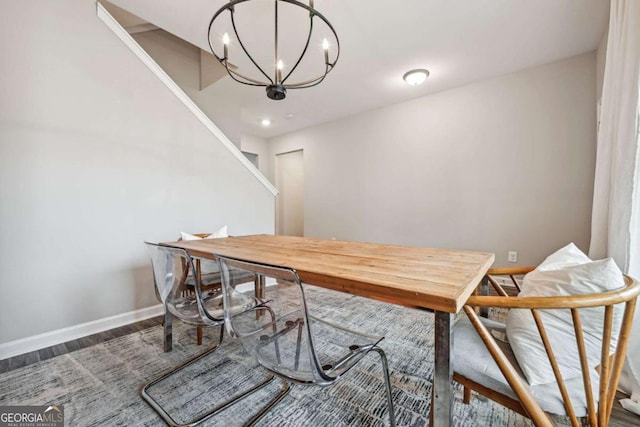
(266, 122)
(289, 116)
(416, 77)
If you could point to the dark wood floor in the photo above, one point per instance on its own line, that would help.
(619, 418)
(69, 346)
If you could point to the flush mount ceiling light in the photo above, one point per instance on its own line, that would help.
(297, 49)
(266, 122)
(416, 77)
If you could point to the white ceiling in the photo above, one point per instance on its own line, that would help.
(457, 41)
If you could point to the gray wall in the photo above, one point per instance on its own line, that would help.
(96, 155)
(258, 146)
(498, 165)
(181, 61)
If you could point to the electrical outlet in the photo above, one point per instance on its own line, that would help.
(512, 256)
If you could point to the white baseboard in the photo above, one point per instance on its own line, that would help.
(47, 339)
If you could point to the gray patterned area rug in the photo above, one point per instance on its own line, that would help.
(100, 385)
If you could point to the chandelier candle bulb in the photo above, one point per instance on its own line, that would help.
(325, 47)
(280, 66)
(225, 42)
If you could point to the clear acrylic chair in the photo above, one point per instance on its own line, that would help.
(178, 286)
(178, 282)
(207, 272)
(284, 338)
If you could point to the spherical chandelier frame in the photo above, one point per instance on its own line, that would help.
(277, 85)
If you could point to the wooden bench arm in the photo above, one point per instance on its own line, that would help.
(630, 291)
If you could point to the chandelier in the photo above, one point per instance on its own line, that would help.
(281, 60)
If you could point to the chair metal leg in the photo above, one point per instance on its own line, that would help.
(298, 341)
(219, 408)
(273, 402)
(387, 383)
(275, 330)
(155, 405)
(168, 333)
(221, 334)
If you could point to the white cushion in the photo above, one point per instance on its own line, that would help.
(566, 272)
(472, 360)
(207, 267)
(567, 256)
(222, 232)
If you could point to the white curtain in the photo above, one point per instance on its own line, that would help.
(615, 229)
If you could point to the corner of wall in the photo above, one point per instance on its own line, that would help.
(601, 56)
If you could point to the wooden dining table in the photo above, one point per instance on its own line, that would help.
(437, 279)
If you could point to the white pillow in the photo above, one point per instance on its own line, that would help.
(222, 232)
(564, 257)
(566, 272)
(207, 267)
